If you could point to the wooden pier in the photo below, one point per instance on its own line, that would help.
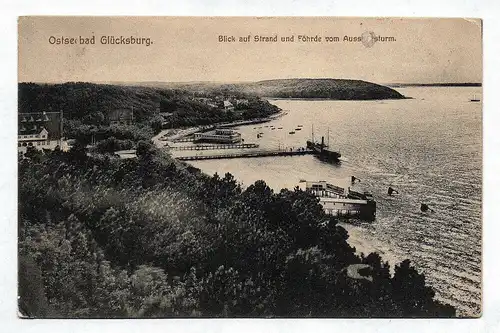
(184, 139)
(216, 147)
(250, 154)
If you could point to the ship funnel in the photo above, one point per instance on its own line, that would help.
(322, 142)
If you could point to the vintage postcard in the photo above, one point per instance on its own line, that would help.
(260, 167)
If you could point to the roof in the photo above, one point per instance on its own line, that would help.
(31, 131)
(32, 122)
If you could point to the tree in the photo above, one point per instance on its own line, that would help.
(411, 294)
(33, 154)
(32, 300)
(150, 237)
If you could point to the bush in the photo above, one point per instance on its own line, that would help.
(112, 144)
(147, 237)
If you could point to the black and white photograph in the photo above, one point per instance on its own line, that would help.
(249, 167)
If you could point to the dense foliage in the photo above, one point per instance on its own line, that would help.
(325, 88)
(150, 237)
(84, 133)
(341, 89)
(89, 102)
(187, 112)
(87, 108)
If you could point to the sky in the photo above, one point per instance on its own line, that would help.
(188, 49)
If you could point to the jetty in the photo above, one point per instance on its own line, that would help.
(185, 139)
(247, 154)
(216, 147)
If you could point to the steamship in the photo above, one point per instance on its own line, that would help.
(322, 152)
(341, 201)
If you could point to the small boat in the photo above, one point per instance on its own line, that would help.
(292, 132)
(280, 127)
(390, 191)
(273, 128)
(299, 126)
(475, 99)
(425, 208)
(298, 129)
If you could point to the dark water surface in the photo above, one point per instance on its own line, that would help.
(429, 148)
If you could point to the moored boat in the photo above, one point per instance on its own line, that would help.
(321, 149)
(475, 99)
(322, 152)
(340, 201)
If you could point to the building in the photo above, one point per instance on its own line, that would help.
(39, 130)
(241, 102)
(35, 137)
(121, 117)
(220, 135)
(228, 106)
(207, 101)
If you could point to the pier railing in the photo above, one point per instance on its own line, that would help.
(184, 139)
(216, 147)
(248, 154)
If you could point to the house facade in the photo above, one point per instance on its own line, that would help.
(34, 137)
(39, 130)
(228, 106)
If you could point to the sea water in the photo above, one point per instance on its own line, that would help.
(428, 148)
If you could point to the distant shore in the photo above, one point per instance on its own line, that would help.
(331, 99)
(403, 85)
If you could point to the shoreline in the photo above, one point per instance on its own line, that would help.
(357, 237)
(363, 244)
(332, 99)
(177, 133)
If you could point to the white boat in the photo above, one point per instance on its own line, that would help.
(341, 201)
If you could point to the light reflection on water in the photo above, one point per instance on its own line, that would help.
(428, 148)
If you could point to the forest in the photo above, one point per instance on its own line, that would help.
(326, 88)
(87, 107)
(152, 237)
(186, 112)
